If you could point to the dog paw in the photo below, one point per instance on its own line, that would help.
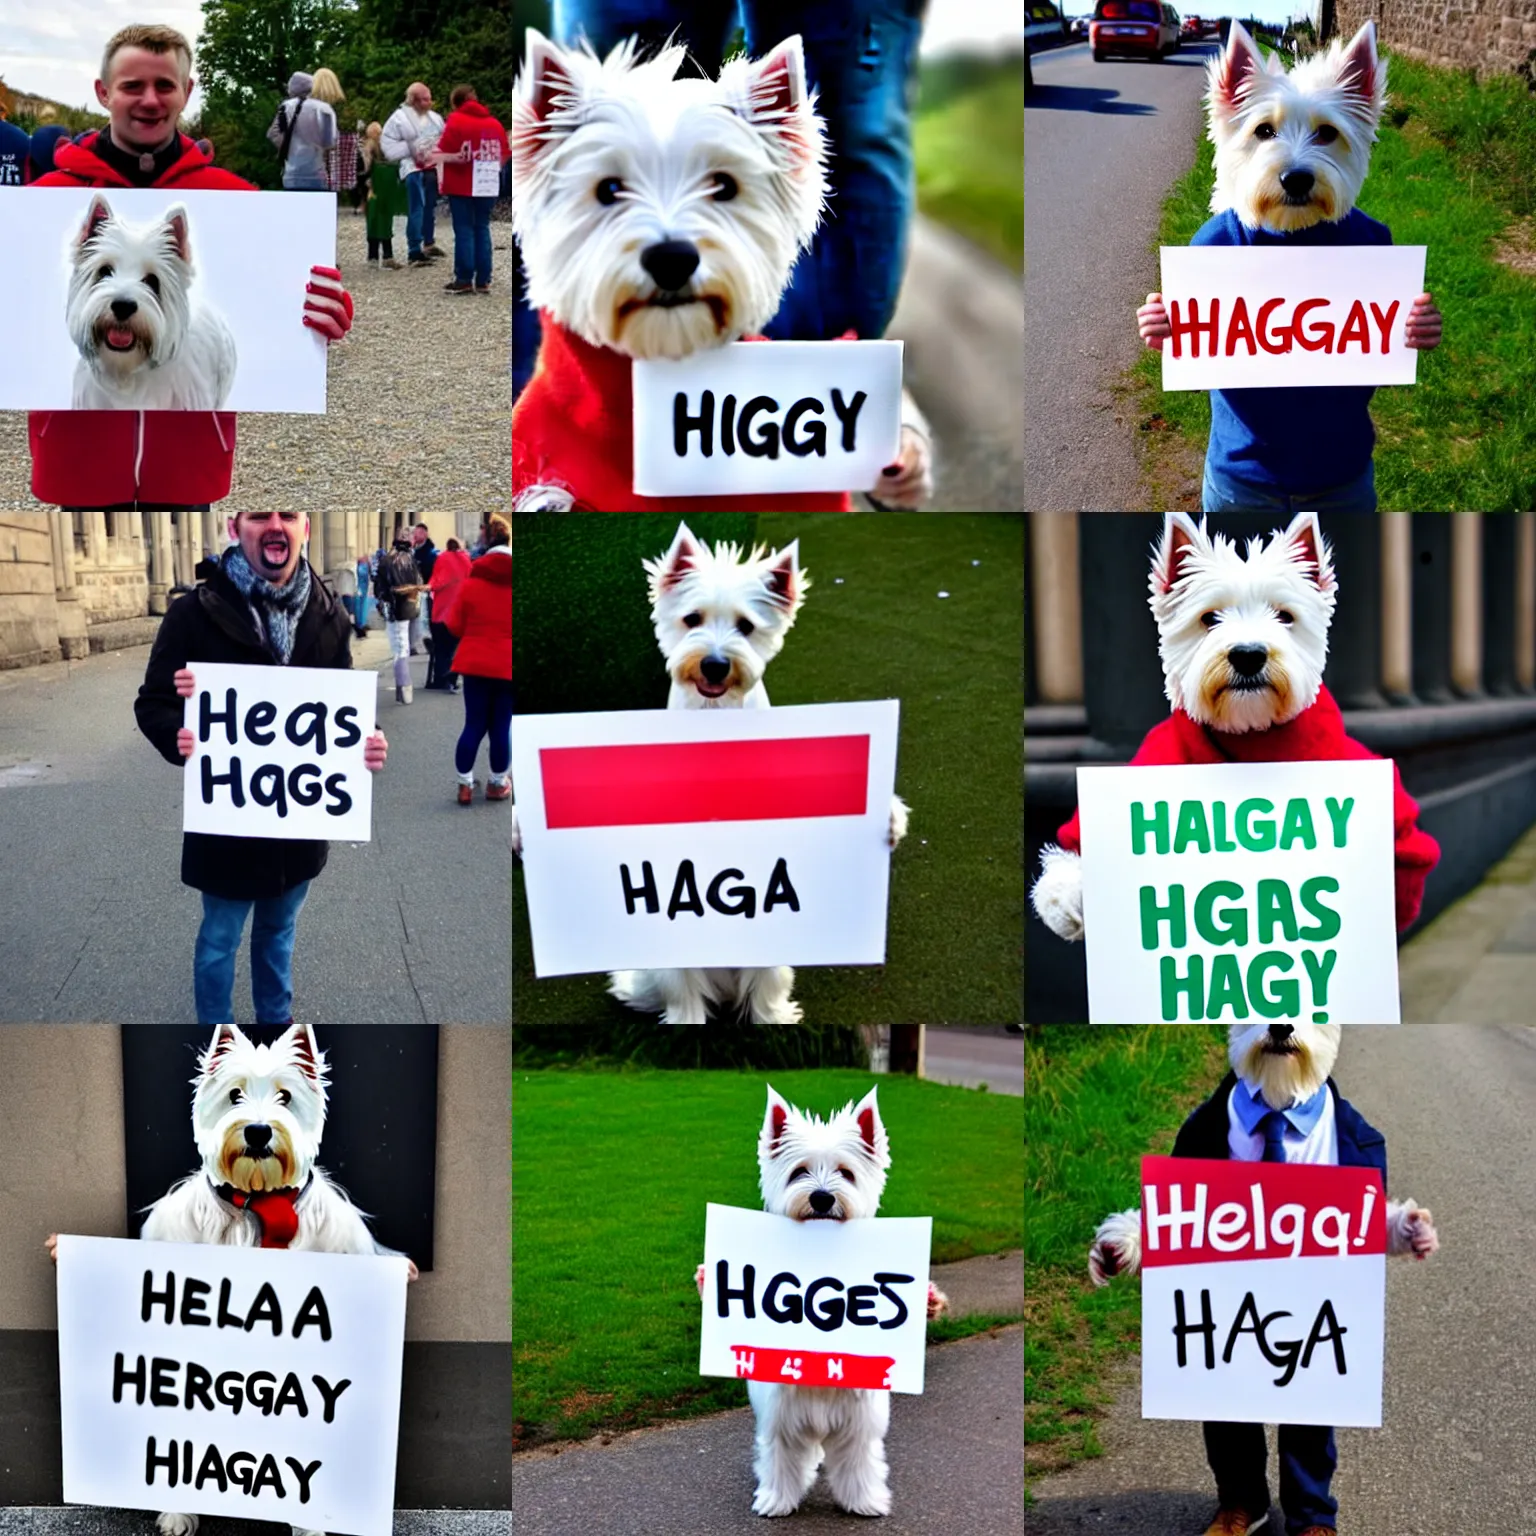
(908, 483)
(876, 1502)
(302, 1530)
(1419, 1232)
(1116, 1247)
(1058, 893)
(698, 1278)
(177, 1525)
(899, 816)
(517, 836)
(768, 1502)
(544, 498)
(938, 1302)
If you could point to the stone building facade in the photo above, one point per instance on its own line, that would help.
(1490, 36)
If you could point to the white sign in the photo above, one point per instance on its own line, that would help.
(485, 170)
(231, 1381)
(243, 345)
(1274, 317)
(1263, 1292)
(278, 752)
(815, 1303)
(700, 837)
(1237, 891)
(763, 416)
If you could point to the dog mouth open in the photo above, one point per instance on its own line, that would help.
(1286, 1047)
(712, 690)
(719, 310)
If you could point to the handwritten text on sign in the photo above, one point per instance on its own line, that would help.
(1239, 891)
(1273, 317)
(690, 837)
(278, 752)
(1263, 1289)
(231, 1381)
(757, 417)
(823, 1304)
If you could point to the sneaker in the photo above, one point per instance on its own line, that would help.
(391, 263)
(482, 287)
(418, 261)
(466, 794)
(431, 248)
(458, 288)
(495, 791)
(1236, 1522)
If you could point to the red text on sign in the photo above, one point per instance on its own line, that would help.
(1269, 327)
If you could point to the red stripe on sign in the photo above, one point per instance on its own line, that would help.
(808, 1368)
(660, 783)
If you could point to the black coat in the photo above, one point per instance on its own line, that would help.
(215, 624)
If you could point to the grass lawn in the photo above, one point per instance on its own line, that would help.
(1451, 171)
(606, 1314)
(968, 140)
(1099, 1098)
(874, 627)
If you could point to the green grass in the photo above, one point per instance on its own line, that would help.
(611, 1173)
(969, 148)
(1099, 1098)
(874, 627)
(1452, 171)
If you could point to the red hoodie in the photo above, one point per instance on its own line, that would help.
(573, 427)
(1315, 735)
(470, 124)
(101, 458)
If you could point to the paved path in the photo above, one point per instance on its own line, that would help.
(969, 1059)
(1102, 145)
(1460, 1404)
(53, 1521)
(95, 925)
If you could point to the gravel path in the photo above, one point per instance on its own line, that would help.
(419, 399)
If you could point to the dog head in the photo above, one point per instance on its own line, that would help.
(1286, 1063)
(259, 1110)
(1243, 637)
(815, 1170)
(1292, 149)
(721, 617)
(660, 216)
(128, 305)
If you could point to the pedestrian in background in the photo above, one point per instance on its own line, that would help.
(480, 613)
(384, 201)
(397, 585)
(308, 127)
(424, 551)
(473, 148)
(364, 580)
(448, 570)
(343, 579)
(410, 136)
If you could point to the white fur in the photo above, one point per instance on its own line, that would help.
(1268, 125)
(182, 355)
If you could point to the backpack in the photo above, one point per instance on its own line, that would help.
(402, 573)
(280, 129)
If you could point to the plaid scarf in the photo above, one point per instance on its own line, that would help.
(276, 610)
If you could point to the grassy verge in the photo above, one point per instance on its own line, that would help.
(1098, 1100)
(1452, 171)
(611, 1173)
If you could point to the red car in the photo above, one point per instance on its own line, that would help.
(1141, 28)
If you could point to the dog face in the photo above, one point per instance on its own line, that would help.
(128, 307)
(259, 1110)
(1292, 149)
(1287, 1063)
(815, 1170)
(721, 618)
(660, 216)
(1243, 637)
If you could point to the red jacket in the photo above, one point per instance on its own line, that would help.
(448, 572)
(1315, 735)
(481, 613)
(573, 427)
(98, 458)
(470, 124)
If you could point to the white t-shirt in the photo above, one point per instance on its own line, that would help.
(410, 135)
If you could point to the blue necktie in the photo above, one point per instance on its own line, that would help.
(1273, 1128)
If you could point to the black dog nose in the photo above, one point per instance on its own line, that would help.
(122, 308)
(822, 1202)
(1297, 183)
(715, 671)
(258, 1137)
(671, 263)
(1247, 660)
(1280, 1033)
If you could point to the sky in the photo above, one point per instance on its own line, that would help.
(972, 23)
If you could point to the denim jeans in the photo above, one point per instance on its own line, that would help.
(218, 942)
(1222, 492)
(1239, 1458)
(471, 239)
(487, 712)
(420, 210)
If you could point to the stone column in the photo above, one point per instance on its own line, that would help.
(1525, 601)
(96, 538)
(1431, 545)
(1396, 606)
(1056, 636)
(160, 572)
(1466, 655)
(1500, 581)
(319, 550)
(73, 642)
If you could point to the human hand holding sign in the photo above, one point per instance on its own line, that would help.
(1152, 322)
(1424, 324)
(327, 305)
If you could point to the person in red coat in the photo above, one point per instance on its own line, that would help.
(480, 613)
(155, 460)
(472, 142)
(448, 570)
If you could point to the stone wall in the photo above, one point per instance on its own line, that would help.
(29, 620)
(1490, 36)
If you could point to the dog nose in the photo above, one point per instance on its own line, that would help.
(1247, 660)
(122, 308)
(1280, 1033)
(258, 1137)
(715, 671)
(1297, 183)
(671, 263)
(822, 1202)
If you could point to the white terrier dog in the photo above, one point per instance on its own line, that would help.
(815, 1170)
(143, 343)
(659, 217)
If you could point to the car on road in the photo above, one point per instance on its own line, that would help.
(1193, 27)
(1143, 29)
(1080, 26)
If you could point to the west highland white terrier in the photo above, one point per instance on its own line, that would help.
(815, 1170)
(657, 217)
(1243, 639)
(143, 343)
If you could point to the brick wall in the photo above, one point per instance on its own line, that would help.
(1490, 36)
(29, 624)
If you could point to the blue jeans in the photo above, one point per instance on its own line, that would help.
(1223, 492)
(218, 942)
(1239, 1457)
(487, 712)
(471, 238)
(420, 210)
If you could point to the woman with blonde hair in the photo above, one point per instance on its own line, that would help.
(386, 197)
(340, 156)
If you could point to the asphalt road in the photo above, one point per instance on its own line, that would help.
(1102, 145)
(412, 927)
(974, 1059)
(1459, 1414)
(76, 1521)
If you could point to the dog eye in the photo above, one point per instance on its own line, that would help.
(1264, 131)
(799, 1173)
(1211, 619)
(284, 1097)
(103, 272)
(746, 626)
(152, 283)
(1326, 134)
(1285, 616)
(693, 620)
(726, 186)
(607, 191)
(847, 1173)
(235, 1096)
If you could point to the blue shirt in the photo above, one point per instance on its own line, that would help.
(1296, 441)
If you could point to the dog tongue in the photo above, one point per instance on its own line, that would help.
(119, 336)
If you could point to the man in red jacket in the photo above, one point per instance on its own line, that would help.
(154, 460)
(473, 150)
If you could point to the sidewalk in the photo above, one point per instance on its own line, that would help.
(971, 1060)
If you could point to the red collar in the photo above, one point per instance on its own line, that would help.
(275, 1210)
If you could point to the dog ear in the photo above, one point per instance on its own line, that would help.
(300, 1039)
(1307, 535)
(779, 103)
(544, 101)
(99, 213)
(1232, 75)
(226, 1038)
(174, 219)
(1362, 76)
(866, 1114)
(679, 562)
(784, 579)
(774, 1121)
(1180, 533)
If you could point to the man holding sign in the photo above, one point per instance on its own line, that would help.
(1292, 151)
(265, 606)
